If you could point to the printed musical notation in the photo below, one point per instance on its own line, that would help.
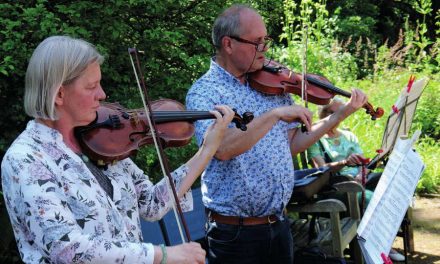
(390, 200)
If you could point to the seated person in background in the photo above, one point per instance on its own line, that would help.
(340, 151)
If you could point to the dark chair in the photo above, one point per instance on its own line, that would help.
(336, 227)
(153, 231)
(406, 228)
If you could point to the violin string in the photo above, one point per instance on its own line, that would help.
(328, 86)
(304, 72)
(304, 68)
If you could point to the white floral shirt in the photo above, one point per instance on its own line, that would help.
(60, 213)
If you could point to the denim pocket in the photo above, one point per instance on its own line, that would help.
(221, 233)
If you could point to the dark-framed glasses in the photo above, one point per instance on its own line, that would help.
(260, 47)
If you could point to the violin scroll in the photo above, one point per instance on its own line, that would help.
(375, 114)
(241, 121)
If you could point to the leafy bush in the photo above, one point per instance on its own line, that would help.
(175, 36)
(390, 68)
(430, 181)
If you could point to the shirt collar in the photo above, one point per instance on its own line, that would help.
(44, 132)
(218, 70)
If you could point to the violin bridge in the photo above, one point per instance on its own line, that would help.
(134, 118)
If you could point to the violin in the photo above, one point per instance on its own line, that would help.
(276, 79)
(117, 133)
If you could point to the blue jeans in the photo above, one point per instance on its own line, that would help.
(256, 244)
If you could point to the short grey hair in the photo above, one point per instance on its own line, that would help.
(57, 61)
(228, 24)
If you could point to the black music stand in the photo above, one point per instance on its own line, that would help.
(400, 120)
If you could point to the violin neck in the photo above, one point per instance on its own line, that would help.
(328, 86)
(187, 116)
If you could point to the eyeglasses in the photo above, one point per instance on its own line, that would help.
(260, 47)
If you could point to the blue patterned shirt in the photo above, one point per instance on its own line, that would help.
(258, 182)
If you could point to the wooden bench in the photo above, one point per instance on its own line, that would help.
(336, 232)
(337, 227)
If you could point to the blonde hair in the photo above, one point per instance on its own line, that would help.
(323, 111)
(57, 61)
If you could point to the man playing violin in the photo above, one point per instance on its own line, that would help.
(65, 209)
(249, 182)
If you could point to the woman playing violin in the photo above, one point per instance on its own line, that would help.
(65, 209)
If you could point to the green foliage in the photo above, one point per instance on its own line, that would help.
(271, 12)
(310, 14)
(147, 159)
(435, 50)
(387, 70)
(323, 57)
(414, 50)
(421, 40)
(355, 24)
(175, 36)
(428, 149)
(428, 110)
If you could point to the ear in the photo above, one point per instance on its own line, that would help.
(60, 96)
(227, 44)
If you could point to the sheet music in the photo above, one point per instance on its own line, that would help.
(390, 200)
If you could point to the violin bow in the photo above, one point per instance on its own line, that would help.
(304, 73)
(157, 143)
